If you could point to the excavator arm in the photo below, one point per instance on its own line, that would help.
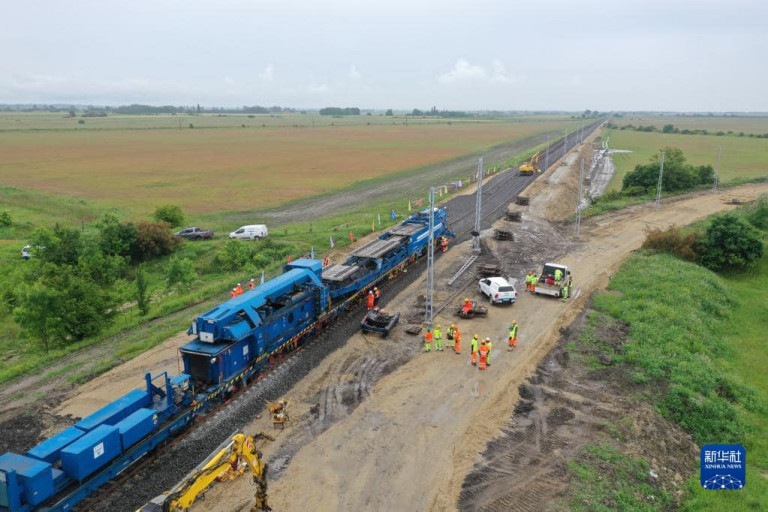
(227, 463)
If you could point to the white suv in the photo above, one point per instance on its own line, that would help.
(498, 290)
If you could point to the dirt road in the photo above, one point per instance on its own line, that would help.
(411, 443)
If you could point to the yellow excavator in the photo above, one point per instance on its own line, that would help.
(531, 166)
(231, 460)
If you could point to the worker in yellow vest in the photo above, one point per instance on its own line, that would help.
(438, 339)
(489, 344)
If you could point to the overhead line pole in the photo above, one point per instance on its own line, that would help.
(546, 156)
(578, 207)
(658, 187)
(478, 207)
(429, 303)
(717, 169)
(565, 143)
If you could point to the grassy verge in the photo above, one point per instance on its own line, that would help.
(610, 480)
(697, 353)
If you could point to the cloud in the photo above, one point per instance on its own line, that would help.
(268, 74)
(317, 89)
(354, 74)
(463, 71)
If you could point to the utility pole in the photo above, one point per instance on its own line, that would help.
(546, 156)
(429, 305)
(717, 170)
(478, 206)
(581, 191)
(581, 136)
(658, 187)
(565, 143)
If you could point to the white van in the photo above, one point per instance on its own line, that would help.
(251, 232)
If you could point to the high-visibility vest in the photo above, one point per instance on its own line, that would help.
(429, 337)
(513, 332)
(438, 334)
(474, 344)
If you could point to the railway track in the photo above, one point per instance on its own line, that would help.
(154, 475)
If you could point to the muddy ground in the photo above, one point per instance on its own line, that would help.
(568, 403)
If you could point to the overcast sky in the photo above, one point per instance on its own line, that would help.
(453, 54)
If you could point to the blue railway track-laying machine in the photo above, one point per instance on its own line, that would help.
(233, 342)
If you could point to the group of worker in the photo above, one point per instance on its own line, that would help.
(372, 299)
(480, 351)
(531, 279)
(453, 335)
(238, 290)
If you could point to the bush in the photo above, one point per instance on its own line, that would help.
(181, 271)
(757, 213)
(169, 213)
(633, 191)
(153, 239)
(115, 238)
(674, 241)
(5, 219)
(235, 255)
(730, 242)
(142, 295)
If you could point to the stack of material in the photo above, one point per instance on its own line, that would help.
(515, 216)
(489, 269)
(522, 200)
(503, 234)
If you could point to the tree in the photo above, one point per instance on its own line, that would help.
(678, 175)
(60, 246)
(36, 314)
(669, 128)
(83, 307)
(170, 213)
(181, 271)
(116, 238)
(153, 239)
(389, 112)
(142, 292)
(5, 219)
(730, 242)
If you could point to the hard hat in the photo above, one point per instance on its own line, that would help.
(251, 279)
(238, 284)
(466, 298)
(438, 326)
(514, 322)
(370, 291)
(475, 335)
(487, 339)
(482, 342)
(233, 289)
(375, 287)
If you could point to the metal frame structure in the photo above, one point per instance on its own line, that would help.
(429, 308)
(478, 206)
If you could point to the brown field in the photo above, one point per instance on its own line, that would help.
(207, 170)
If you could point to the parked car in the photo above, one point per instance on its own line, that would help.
(26, 251)
(195, 233)
(498, 290)
(251, 232)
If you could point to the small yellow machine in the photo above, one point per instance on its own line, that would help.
(234, 458)
(531, 166)
(279, 412)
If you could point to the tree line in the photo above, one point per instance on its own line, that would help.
(671, 128)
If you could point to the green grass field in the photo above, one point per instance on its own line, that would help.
(736, 124)
(698, 341)
(742, 157)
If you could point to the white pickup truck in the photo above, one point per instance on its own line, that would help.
(498, 290)
(547, 285)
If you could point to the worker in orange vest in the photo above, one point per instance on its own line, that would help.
(473, 348)
(483, 351)
(467, 306)
(251, 284)
(233, 293)
(239, 289)
(428, 340)
(376, 296)
(325, 262)
(457, 339)
(369, 301)
(443, 244)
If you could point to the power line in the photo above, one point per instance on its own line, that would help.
(717, 170)
(658, 187)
